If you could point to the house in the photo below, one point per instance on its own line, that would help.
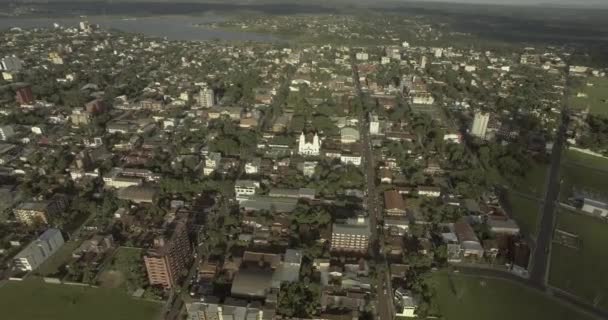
(394, 205)
(468, 240)
(245, 188)
(253, 166)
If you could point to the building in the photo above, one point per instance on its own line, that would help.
(480, 125)
(394, 205)
(206, 97)
(308, 168)
(80, 117)
(406, 304)
(6, 132)
(96, 106)
(353, 159)
(309, 148)
(245, 188)
(374, 124)
(468, 240)
(35, 212)
(137, 194)
(231, 309)
(362, 56)
(35, 253)
(429, 192)
(301, 193)
(595, 207)
(170, 255)
(212, 162)
(11, 63)
(24, 95)
(502, 225)
(253, 166)
(351, 236)
(252, 281)
(349, 135)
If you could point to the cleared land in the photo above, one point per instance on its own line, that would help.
(465, 297)
(597, 96)
(125, 270)
(54, 301)
(581, 271)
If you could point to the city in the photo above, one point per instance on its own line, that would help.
(374, 167)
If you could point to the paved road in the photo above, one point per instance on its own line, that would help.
(384, 299)
(539, 263)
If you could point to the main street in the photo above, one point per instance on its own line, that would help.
(539, 263)
(384, 297)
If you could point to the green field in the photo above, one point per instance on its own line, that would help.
(466, 297)
(582, 271)
(35, 300)
(595, 95)
(580, 170)
(525, 210)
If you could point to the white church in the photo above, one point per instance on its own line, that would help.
(312, 148)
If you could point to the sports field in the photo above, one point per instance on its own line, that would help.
(462, 297)
(580, 271)
(596, 90)
(35, 300)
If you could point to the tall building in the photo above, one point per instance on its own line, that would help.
(35, 253)
(24, 95)
(206, 97)
(351, 236)
(34, 212)
(309, 148)
(170, 255)
(480, 125)
(423, 62)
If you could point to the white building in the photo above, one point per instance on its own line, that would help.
(385, 60)
(6, 132)
(312, 148)
(423, 62)
(11, 64)
(308, 168)
(374, 124)
(595, 207)
(480, 125)
(253, 166)
(438, 52)
(352, 159)
(363, 56)
(406, 304)
(245, 188)
(206, 98)
(35, 253)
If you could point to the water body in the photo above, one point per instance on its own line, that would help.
(171, 27)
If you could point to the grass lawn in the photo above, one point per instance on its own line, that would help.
(525, 211)
(582, 271)
(61, 257)
(63, 302)
(595, 95)
(583, 171)
(125, 271)
(465, 298)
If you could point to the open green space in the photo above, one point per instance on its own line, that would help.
(525, 211)
(583, 171)
(581, 271)
(461, 297)
(62, 256)
(125, 270)
(597, 96)
(35, 300)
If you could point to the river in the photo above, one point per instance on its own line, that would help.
(171, 27)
